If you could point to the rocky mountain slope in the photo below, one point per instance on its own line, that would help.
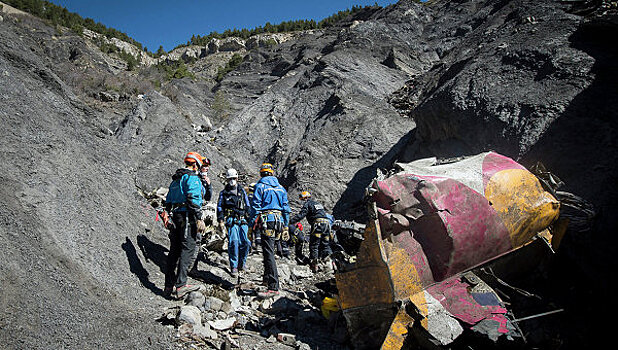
(83, 137)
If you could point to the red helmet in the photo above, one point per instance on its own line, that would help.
(193, 157)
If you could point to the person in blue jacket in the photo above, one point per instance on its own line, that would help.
(184, 204)
(269, 215)
(232, 209)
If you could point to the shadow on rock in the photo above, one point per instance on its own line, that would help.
(153, 251)
(292, 318)
(211, 278)
(137, 268)
(350, 205)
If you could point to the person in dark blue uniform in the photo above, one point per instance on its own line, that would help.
(232, 209)
(319, 235)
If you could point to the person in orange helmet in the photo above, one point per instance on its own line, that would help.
(184, 204)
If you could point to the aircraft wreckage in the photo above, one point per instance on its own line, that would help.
(430, 225)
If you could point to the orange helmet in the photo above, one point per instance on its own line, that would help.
(267, 168)
(304, 195)
(193, 157)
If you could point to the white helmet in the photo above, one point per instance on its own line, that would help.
(231, 174)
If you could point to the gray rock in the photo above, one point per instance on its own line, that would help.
(226, 307)
(213, 304)
(284, 272)
(224, 324)
(302, 272)
(302, 346)
(196, 299)
(231, 44)
(189, 314)
(204, 332)
(213, 46)
(109, 96)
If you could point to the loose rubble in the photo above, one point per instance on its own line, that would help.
(226, 312)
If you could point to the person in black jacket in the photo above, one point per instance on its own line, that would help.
(319, 235)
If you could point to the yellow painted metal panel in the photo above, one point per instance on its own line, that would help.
(522, 203)
(396, 334)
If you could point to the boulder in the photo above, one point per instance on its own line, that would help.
(232, 44)
(213, 46)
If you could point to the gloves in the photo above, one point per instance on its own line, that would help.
(201, 226)
(222, 227)
(285, 235)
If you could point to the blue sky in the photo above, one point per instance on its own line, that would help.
(170, 23)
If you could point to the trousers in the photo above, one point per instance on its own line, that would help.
(319, 241)
(182, 249)
(238, 242)
(271, 275)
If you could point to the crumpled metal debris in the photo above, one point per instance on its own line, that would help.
(431, 222)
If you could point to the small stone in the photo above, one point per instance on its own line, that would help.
(271, 339)
(287, 338)
(227, 308)
(302, 346)
(302, 272)
(213, 304)
(204, 332)
(222, 325)
(284, 272)
(185, 330)
(189, 314)
(196, 299)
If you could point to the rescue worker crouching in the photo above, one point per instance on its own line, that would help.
(269, 216)
(320, 233)
(297, 239)
(232, 216)
(184, 204)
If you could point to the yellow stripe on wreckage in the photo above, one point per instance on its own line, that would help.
(384, 274)
(521, 202)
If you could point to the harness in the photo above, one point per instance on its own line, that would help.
(277, 228)
(323, 223)
(177, 206)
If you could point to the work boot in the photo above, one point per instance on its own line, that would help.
(313, 265)
(234, 273)
(187, 288)
(168, 291)
(268, 294)
(193, 273)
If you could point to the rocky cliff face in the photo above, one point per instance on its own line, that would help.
(331, 108)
